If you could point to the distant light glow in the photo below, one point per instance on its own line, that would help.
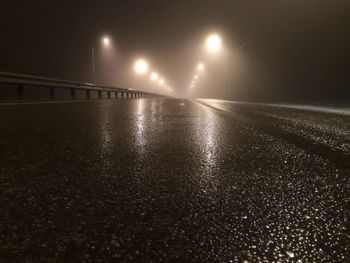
(161, 82)
(200, 67)
(106, 41)
(213, 43)
(154, 76)
(195, 77)
(141, 66)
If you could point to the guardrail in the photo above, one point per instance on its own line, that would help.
(21, 82)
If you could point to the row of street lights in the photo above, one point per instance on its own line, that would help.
(213, 45)
(141, 67)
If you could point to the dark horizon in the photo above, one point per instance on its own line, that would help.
(294, 51)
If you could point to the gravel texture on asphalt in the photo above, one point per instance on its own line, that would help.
(172, 180)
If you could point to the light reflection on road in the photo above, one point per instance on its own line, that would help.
(207, 131)
(140, 126)
(106, 142)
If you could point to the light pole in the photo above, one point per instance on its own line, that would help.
(213, 45)
(106, 42)
(141, 66)
(226, 58)
(93, 64)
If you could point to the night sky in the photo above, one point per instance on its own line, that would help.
(294, 50)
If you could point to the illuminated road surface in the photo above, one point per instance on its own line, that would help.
(167, 180)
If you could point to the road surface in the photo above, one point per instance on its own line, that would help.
(173, 180)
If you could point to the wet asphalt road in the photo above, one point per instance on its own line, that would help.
(171, 180)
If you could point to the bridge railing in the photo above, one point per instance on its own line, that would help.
(22, 82)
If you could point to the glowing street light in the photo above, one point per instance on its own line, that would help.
(195, 77)
(200, 67)
(213, 43)
(141, 66)
(161, 82)
(106, 41)
(154, 76)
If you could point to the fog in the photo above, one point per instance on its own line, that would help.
(287, 51)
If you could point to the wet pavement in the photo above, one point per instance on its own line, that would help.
(171, 180)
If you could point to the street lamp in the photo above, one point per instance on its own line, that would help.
(141, 66)
(161, 82)
(106, 42)
(154, 76)
(200, 67)
(213, 43)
